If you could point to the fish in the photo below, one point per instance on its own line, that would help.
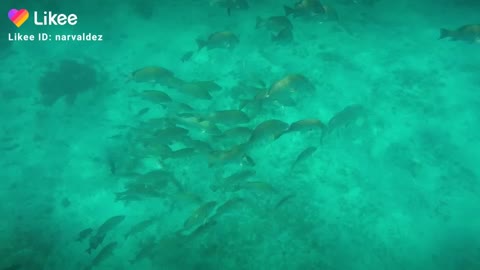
(219, 40)
(228, 206)
(183, 152)
(268, 130)
(199, 216)
(210, 86)
(221, 157)
(284, 89)
(274, 23)
(170, 134)
(195, 89)
(146, 250)
(193, 121)
(153, 74)
(228, 183)
(156, 179)
(103, 254)
(155, 96)
(469, 33)
(284, 200)
(283, 37)
(95, 241)
(233, 136)
(140, 227)
(187, 56)
(141, 113)
(110, 224)
(242, 132)
(230, 5)
(302, 125)
(84, 234)
(200, 146)
(345, 117)
(305, 8)
(229, 117)
(187, 197)
(307, 152)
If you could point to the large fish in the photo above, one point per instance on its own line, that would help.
(469, 33)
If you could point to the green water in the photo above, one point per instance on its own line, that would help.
(381, 172)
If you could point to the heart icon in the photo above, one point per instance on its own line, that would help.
(18, 17)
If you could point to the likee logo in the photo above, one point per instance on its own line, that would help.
(18, 17)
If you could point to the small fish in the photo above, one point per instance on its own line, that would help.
(200, 146)
(468, 33)
(230, 117)
(242, 132)
(171, 134)
(157, 179)
(84, 234)
(187, 197)
(152, 74)
(307, 124)
(210, 86)
(274, 23)
(192, 121)
(155, 96)
(305, 8)
(103, 254)
(230, 5)
(345, 117)
(268, 129)
(219, 40)
(142, 111)
(140, 227)
(195, 89)
(304, 155)
(110, 224)
(283, 37)
(283, 89)
(284, 200)
(183, 153)
(221, 157)
(199, 216)
(187, 56)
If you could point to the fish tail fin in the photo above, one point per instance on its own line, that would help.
(201, 43)
(249, 160)
(444, 33)
(273, 37)
(260, 22)
(288, 10)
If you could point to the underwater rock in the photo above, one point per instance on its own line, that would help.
(68, 79)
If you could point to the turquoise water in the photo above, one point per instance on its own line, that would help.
(101, 170)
